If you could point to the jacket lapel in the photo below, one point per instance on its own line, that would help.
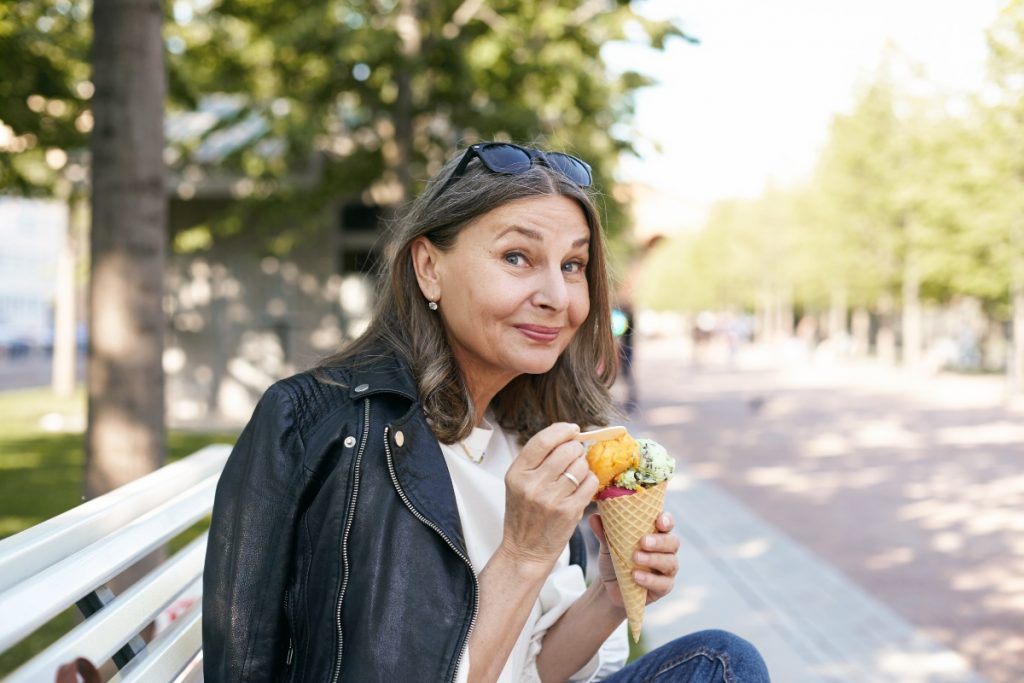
(419, 466)
(423, 475)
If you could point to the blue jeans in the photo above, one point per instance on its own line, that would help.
(702, 657)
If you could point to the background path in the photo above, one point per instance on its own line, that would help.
(850, 481)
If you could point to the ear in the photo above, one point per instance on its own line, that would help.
(425, 258)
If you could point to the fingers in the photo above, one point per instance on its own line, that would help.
(538, 449)
(585, 491)
(656, 584)
(578, 469)
(660, 543)
(664, 522)
(657, 555)
(666, 564)
(566, 457)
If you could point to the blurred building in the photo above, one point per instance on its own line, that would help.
(238, 317)
(32, 233)
(660, 212)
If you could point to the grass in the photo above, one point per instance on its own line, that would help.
(636, 649)
(41, 477)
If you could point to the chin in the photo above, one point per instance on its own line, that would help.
(537, 366)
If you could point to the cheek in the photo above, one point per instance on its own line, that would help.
(493, 300)
(579, 307)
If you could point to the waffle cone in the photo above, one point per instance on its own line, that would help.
(626, 520)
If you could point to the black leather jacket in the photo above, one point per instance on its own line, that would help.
(335, 550)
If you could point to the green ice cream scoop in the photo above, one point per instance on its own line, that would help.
(656, 466)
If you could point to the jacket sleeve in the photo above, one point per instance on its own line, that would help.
(251, 541)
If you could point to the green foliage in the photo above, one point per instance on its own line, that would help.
(360, 98)
(746, 248)
(382, 92)
(44, 90)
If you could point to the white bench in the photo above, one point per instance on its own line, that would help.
(69, 559)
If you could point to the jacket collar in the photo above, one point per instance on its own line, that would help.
(379, 372)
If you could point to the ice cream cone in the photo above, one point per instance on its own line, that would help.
(626, 520)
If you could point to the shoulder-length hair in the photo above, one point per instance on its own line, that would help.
(575, 390)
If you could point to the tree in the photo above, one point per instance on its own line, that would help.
(126, 434)
(381, 92)
(44, 92)
(1006, 59)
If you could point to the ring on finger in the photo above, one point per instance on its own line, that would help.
(571, 477)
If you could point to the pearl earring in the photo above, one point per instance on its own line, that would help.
(432, 305)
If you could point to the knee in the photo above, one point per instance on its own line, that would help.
(744, 660)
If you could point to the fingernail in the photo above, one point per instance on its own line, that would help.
(642, 558)
(649, 542)
(640, 577)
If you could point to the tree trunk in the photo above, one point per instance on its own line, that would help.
(885, 343)
(911, 313)
(126, 436)
(763, 317)
(1015, 364)
(1016, 360)
(861, 331)
(786, 321)
(409, 32)
(64, 346)
(837, 315)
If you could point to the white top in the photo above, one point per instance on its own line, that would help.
(480, 488)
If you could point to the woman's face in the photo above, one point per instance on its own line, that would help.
(512, 292)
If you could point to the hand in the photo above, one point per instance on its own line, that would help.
(543, 507)
(656, 560)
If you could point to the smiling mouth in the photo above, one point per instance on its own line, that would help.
(539, 333)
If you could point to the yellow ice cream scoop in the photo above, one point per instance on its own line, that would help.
(608, 459)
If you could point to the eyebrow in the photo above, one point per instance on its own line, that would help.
(534, 235)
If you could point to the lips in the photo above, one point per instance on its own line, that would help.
(539, 333)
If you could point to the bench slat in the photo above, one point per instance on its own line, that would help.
(169, 653)
(193, 672)
(37, 599)
(104, 633)
(33, 550)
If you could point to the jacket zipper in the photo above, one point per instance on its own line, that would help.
(344, 537)
(416, 513)
(291, 632)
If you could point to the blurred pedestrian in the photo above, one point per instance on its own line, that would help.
(623, 327)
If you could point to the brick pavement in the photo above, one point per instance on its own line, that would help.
(902, 488)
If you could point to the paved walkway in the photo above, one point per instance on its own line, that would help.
(811, 623)
(833, 597)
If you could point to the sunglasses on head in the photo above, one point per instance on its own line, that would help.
(504, 157)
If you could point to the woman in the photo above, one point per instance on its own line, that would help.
(404, 513)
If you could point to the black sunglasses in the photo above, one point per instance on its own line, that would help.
(504, 157)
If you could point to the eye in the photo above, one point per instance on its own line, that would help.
(514, 258)
(574, 267)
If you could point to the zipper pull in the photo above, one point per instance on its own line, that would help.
(291, 653)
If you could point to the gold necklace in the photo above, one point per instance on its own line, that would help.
(469, 454)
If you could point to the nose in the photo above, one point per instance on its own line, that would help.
(553, 291)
